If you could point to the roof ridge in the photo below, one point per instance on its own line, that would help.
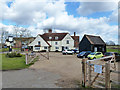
(89, 39)
(93, 39)
(92, 35)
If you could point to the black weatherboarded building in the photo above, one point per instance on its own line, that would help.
(92, 43)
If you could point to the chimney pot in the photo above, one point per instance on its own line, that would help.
(50, 31)
(74, 33)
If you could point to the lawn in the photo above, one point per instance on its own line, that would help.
(7, 49)
(14, 63)
(113, 50)
(4, 49)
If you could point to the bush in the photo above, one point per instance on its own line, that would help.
(13, 54)
(18, 55)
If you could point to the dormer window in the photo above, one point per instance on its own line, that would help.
(50, 37)
(67, 42)
(38, 42)
(56, 38)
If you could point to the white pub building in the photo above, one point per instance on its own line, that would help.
(54, 41)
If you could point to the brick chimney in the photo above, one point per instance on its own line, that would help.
(50, 31)
(74, 33)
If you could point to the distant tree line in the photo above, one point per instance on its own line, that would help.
(110, 43)
(17, 32)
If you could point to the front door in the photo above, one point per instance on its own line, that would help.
(62, 48)
(95, 49)
(100, 49)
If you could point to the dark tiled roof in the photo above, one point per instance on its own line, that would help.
(95, 39)
(23, 38)
(45, 40)
(60, 36)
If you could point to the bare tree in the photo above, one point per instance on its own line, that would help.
(24, 32)
(4, 35)
(18, 32)
(110, 43)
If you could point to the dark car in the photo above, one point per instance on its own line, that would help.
(117, 56)
(83, 54)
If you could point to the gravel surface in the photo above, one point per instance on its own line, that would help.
(29, 78)
(69, 66)
(45, 73)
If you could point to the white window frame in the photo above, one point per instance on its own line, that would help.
(67, 42)
(45, 47)
(50, 37)
(95, 49)
(38, 43)
(56, 38)
(37, 48)
(57, 48)
(56, 43)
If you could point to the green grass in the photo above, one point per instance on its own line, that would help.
(14, 63)
(4, 49)
(16, 48)
(113, 50)
(7, 49)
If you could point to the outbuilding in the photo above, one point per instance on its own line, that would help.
(92, 43)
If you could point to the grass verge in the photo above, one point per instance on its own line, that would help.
(15, 63)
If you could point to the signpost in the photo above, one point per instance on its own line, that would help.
(10, 39)
(98, 68)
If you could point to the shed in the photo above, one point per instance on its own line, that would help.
(92, 43)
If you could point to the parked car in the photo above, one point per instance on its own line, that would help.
(95, 55)
(117, 56)
(76, 51)
(64, 52)
(83, 54)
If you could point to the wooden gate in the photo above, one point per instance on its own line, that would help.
(31, 56)
(96, 73)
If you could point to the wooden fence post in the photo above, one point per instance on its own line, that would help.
(48, 55)
(114, 61)
(107, 75)
(89, 73)
(83, 72)
(26, 59)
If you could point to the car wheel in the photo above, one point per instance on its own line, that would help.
(94, 58)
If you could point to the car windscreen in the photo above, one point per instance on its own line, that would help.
(92, 53)
(108, 54)
(69, 50)
(88, 52)
(116, 53)
(82, 53)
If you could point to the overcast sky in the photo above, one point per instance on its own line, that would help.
(94, 18)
